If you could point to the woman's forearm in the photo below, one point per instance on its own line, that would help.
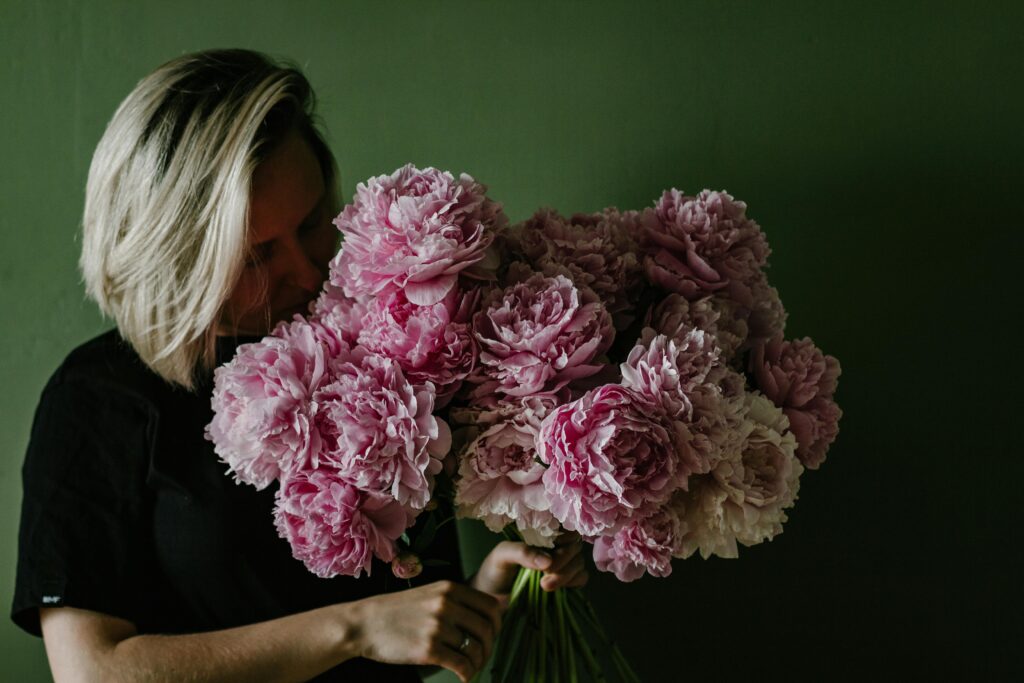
(285, 650)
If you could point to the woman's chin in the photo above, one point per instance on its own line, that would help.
(259, 328)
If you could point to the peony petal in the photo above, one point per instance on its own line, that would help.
(431, 291)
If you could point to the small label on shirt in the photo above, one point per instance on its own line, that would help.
(51, 599)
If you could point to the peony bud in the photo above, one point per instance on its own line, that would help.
(406, 565)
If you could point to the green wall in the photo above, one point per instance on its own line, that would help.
(878, 144)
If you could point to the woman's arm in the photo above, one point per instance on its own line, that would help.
(422, 625)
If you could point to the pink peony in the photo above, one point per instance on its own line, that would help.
(700, 245)
(539, 334)
(669, 370)
(262, 414)
(612, 455)
(801, 380)
(416, 230)
(432, 343)
(645, 544)
(333, 526)
(593, 250)
(340, 314)
(685, 375)
(500, 475)
(378, 430)
(744, 498)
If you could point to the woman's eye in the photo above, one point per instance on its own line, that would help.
(259, 255)
(314, 221)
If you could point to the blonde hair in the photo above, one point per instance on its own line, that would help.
(167, 199)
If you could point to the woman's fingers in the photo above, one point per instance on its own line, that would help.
(486, 606)
(481, 631)
(567, 547)
(455, 661)
(499, 568)
(567, 538)
(568, 575)
(513, 554)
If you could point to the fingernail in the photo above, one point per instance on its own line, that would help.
(542, 560)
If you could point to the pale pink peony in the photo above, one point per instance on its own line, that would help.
(416, 230)
(340, 314)
(500, 474)
(432, 343)
(612, 455)
(538, 334)
(593, 250)
(801, 380)
(701, 245)
(262, 422)
(333, 526)
(744, 498)
(378, 430)
(645, 544)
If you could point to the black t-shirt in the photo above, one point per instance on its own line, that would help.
(128, 511)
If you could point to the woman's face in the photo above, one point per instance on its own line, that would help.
(291, 238)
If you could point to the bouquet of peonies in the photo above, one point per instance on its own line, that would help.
(621, 374)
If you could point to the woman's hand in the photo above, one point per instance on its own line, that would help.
(563, 566)
(428, 625)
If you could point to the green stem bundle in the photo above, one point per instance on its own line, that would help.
(546, 638)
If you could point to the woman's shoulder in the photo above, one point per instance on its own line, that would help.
(106, 365)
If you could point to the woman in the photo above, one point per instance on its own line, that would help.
(207, 220)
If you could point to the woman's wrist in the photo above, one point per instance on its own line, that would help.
(348, 619)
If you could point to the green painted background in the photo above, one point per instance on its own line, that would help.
(878, 144)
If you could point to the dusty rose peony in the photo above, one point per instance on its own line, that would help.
(538, 334)
(432, 343)
(766, 318)
(500, 475)
(801, 380)
(645, 544)
(262, 414)
(334, 527)
(674, 316)
(416, 230)
(701, 245)
(378, 430)
(406, 565)
(612, 455)
(744, 498)
(593, 250)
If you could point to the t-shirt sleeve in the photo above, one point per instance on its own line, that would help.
(83, 540)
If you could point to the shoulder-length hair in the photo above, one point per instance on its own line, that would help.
(167, 199)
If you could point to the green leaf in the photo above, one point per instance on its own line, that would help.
(426, 536)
